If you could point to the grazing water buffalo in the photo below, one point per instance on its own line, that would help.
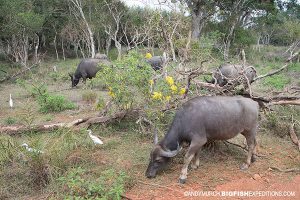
(228, 71)
(156, 62)
(203, 119)
(88, 68)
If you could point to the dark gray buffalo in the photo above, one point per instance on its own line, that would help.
(204, 119)
(156, 62)
(228, 72)
(88, 68)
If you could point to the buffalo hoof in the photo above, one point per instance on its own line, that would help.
(244, 166)
(253, 159)
(182, 181)
(194, 166)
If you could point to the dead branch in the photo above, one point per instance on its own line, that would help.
(155, 131)
(294, 136)
(18, 73)
(286, 102)
(244, 148)
(191, 75)
(286, 170)
(278, 70)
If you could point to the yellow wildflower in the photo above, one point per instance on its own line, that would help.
(157, 95)
(182, 91)
(168, 98)
(151, 82)
(170, 80)
(173, 88)
(112, 94)
(148, 55)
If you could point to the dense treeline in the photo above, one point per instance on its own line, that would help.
(31, 29)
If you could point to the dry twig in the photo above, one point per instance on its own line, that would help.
(286, 170)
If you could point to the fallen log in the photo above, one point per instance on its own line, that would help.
(286, 102)
(294, 136)
(86, 122)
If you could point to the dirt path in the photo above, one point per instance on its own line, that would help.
(269, 182)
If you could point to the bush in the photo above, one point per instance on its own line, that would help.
(127, 84)
(54, 103)
(10, 120)
(109, 186)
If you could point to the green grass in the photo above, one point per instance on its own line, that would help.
(277, 81)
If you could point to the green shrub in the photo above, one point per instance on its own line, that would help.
(10, 120)
(108, 186)
(54, 103)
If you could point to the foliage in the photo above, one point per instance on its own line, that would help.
(10, 120)
(47, 102)
(127, 80)
(110, 185)
(54, 103)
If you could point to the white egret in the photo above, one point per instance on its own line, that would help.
(31, 149)
(11, 103)
(95, 139)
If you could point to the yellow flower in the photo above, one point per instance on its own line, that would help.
(151, 82)
(170, 80)
(157, 95)
(182, 91)
(168, 98)
(112, 94)
(173, 88)
(148, 55)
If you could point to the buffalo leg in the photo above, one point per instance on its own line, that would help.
(195, 146)
(251, 142)
(196, 162)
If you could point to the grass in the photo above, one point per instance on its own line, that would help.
(277, 82)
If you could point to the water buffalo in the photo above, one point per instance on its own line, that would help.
(88, 68)
(156, 62)
(203, 119)
(228, 71)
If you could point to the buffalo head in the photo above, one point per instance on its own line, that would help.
(159, 159)
(74, 80)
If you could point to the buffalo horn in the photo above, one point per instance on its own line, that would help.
(169, 153)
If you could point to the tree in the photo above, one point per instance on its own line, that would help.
(20, 26)
(77, 10)
(201, 11)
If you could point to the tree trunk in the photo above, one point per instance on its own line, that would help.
(197, 25)
(108, 45)
(92, 44)
(63, 48)
(119, 48)
(36, 47)
(55, 47)
(228, 40)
